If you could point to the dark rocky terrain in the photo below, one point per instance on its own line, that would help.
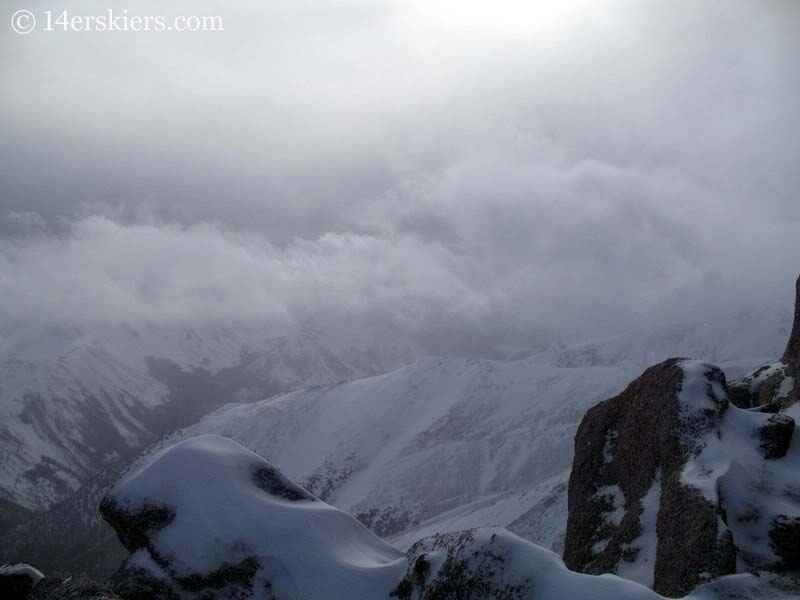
(641, 438)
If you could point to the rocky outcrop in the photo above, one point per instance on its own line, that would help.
(792, 354)
(776, 386)
(634, 446)
(776, 436)
(672, 485)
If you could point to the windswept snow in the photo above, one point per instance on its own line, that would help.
(306, 548)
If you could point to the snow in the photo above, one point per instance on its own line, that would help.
(462, 442)
(548, 577)
(66, 391)
(307, 549)
(444, 444)
(21, 569)
(642, 568)
(729, 467)
(787, 385)
(614, 494)
(608, 454)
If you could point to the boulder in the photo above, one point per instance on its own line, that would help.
(784, 536)
(776, 436)
(630, 509)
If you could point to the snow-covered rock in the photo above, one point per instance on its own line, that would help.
(702, 488)
(208, 518)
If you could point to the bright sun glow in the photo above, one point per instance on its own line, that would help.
(540, 17)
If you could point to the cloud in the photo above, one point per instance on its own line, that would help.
(516, 170)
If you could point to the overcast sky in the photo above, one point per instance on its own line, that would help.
(496, 167)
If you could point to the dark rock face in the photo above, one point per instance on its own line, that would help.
(631, 443)
(135, 527)
(785, 539)
(270, 480)
(16, 581)
(776, 436)
(792, 354)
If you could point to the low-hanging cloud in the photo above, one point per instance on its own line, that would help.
(381, 162)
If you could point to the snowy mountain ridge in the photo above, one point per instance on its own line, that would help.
(72, 400)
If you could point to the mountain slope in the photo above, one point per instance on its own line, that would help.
(70, 400)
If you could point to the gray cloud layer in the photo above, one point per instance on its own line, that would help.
(496, 170)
